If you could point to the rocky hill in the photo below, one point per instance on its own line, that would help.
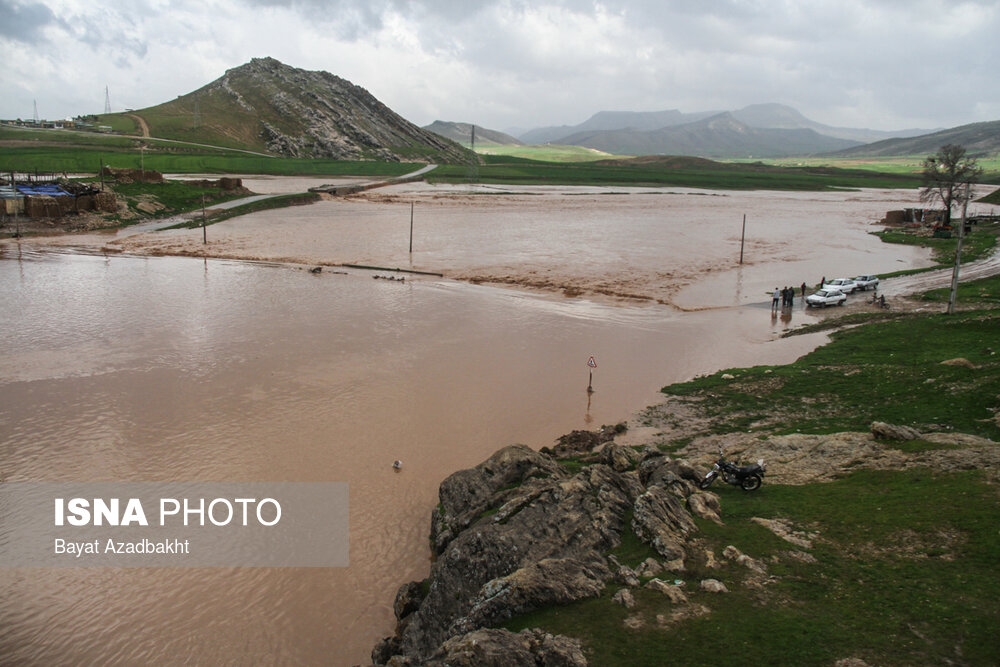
(269, 106)
(979, 139)
(462, 133)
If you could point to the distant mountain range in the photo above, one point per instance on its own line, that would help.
(782, 117)
(614, 121)
(266, 105)
(979, 139)
(759, 130)
(714, 137)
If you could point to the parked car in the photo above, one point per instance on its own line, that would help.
(864, 282)
(826, 297)
(845, 285)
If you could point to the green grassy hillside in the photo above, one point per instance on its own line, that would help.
(210, 115)
(981, 140)
(267, 106)
(81, 152)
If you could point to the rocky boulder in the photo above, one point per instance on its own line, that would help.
(883, 431)
(552, 580)
(518, 533)
(577, 443)
(501, 648)
(661, 520)
(467, 494)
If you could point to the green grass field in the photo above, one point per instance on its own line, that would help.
(80, 152)
(979, 243)
(909, 165)
(547, 153)
(889, 371)
(174, 196)
(905, 561)
(906, 164)
(896, 581)
(679, 172)
(984, 292)
(992, 198)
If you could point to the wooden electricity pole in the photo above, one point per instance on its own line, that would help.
(953, 293)
(743, 236)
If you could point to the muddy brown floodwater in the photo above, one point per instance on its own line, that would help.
(186, 369)
(668, 245)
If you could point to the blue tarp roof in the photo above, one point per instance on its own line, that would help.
(50, 189)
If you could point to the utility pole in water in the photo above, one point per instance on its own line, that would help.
(473, 171)
(743, 236)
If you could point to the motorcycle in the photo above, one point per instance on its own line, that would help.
(749, 478)
(879, 301)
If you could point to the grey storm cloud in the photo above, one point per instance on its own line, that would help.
(854, 57)
(25, 21)
(883, 63)
(119, 38)
(353, 19)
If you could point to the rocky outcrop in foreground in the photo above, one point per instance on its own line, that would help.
(520, 532)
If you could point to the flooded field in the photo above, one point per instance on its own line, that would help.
(187, 369)
(663, 244)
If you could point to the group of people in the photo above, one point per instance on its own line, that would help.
(785, 297)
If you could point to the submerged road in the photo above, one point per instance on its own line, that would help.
(156, 225)
(928, 280)
(353, 188)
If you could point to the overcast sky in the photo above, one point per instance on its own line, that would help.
(882, 64)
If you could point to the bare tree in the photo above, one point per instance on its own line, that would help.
(948, 178)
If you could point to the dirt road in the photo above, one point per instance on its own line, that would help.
(141, 122)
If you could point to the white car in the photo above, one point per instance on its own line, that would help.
(864, 282)
(826, 297)
(845, 285)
